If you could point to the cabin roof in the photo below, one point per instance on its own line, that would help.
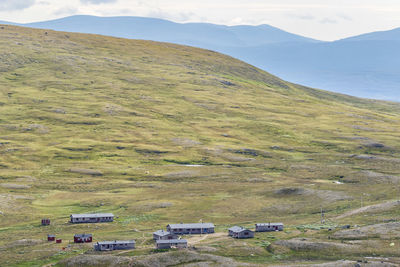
(92, 215)
(116, 242)
(83, 235)
(235, 228)
(267, 224)
(191, 225)
(161, 233)
(238, 229)
(172, 241)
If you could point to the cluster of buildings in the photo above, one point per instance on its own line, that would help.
(164, 239)
(241, 232)
(169, 238)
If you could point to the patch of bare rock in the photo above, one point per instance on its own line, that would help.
(175, 258)
(343, 263)
(26, 179)
(15, 186)
(375, 158)
(185, 142)
(96, 260)
(311, 244)
(371, 177)
(383, 231)
(327, 195)
(86, 171)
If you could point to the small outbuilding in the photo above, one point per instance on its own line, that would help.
(58, 241)
(51, 237)
(92, 218)
(269, 227)
(240, 232)
(45, 222)
(83, 238)
(172, 243)
(191, 228)
(164, 235)
(114, 245)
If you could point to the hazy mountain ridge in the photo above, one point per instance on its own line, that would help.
(164, 30)
(390, 35)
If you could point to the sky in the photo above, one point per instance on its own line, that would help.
(320, 19)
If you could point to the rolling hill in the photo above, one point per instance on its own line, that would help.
(365, 66)
(159, 133)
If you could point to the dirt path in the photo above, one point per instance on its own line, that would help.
(125, 251)
(197, 239)
(370, 209)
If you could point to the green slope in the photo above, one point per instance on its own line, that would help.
(91, 123)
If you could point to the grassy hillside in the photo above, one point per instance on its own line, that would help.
(160, 133)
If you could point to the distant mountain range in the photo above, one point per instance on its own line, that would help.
(366, 66)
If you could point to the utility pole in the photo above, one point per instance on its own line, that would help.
(361, 201)
(322, 216)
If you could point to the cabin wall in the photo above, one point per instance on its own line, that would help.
(269, 228)
(191, 231)
(92, 220)
(165, 237)
(170, 245)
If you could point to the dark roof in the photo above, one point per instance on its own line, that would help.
(83, 235)
(267, 224)
(161, 233)
(92, 215)
(172, 241)
(191, 225)
(116, 242)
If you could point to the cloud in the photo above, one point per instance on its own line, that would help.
(96, 2)
(328, 21)
(65, 11)
(302, 17)
(175, 16)
(8, 5)
(345, 17)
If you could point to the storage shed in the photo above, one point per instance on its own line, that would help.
(45, 222)
(173, 243)
(92, 218)
(240, 232)
(51, 237)
(191, 228)
(83, 238)
(114, 245)
(269, 227)
(163, 235)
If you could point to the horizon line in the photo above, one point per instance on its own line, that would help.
(197, 22)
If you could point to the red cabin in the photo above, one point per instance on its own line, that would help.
(51, 237)
(59, 241)
(83, 238)
(45, 222)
